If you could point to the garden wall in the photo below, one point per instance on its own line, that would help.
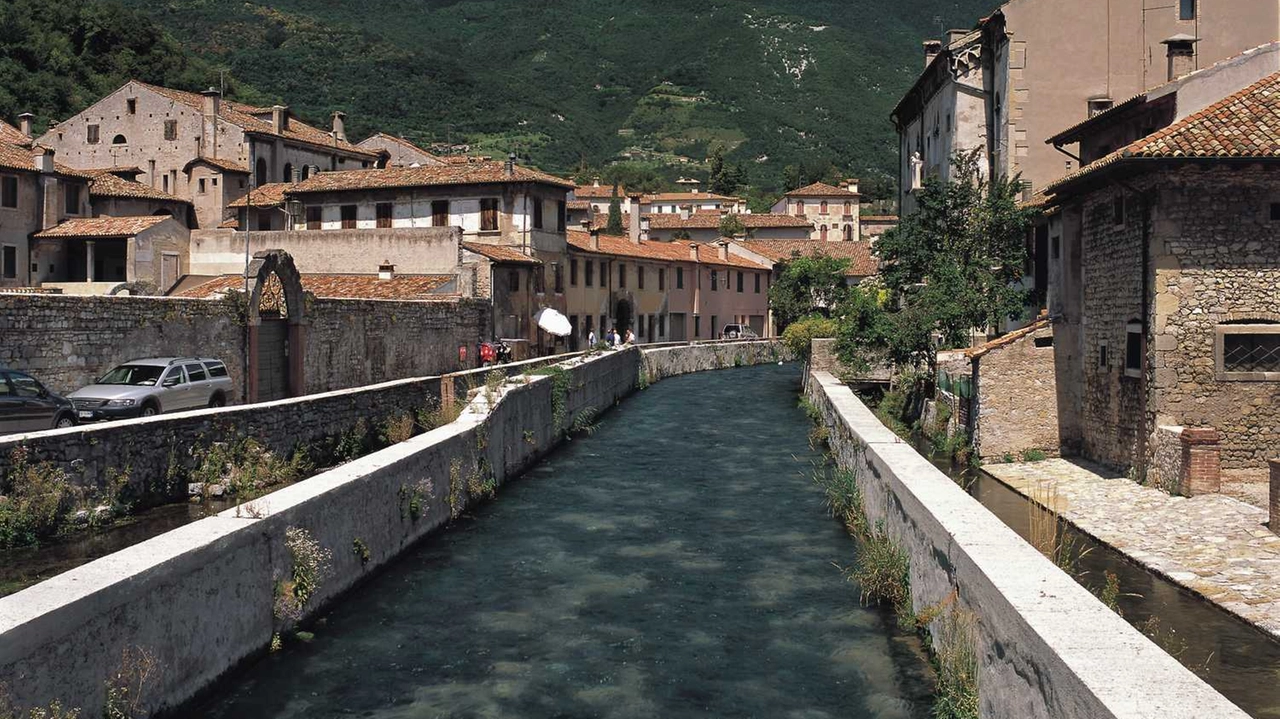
(200, 598)
(1046, 647)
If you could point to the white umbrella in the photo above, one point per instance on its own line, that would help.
(553, 322)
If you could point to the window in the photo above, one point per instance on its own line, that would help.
(713, 326)
(1187, 10)
(216, 369)
(25, 386)
(1275, 209)
(561, 215)
(384, 210)
(8, 191)
(286, 175)
(1133, 350)
(662, 325)
(170, 130)
(679, 278)
(848, 233)
(1056, 247)
(201, 185)
(822, 232)
(590, 268)
(131, 106)
(1117, 210)
(799, 208)
(539, 280)
(10, 262)
(848, 208)
(697, 326)
(537, 214)
(489, 214)
(603, 325)
(622, 275)
(439, 213)
(662, 279)
(264, 219)
(640, 326)
(91, 134)
(260, 172)
(640, 278)
(822, 208)
(573, 273)
(604, 278)
(1248, 352)
(348, 217)
(195, 372)
(119, 140)
(714, 277)
(72, 195)
(513, 280)
(1103, 360)
(166, 183)
(557, 271)
(739, 281)
(757, 276)
(313, 218)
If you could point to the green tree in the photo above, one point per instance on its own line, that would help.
(731, 226)
(614, 226)
(955, 263)
(807, 286)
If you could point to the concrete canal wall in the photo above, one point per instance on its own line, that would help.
(201, 598)
(1047, 648)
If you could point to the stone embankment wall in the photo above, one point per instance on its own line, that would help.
(200, 598)
(66, 341)
(1046, 647)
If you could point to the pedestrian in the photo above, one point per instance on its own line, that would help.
(608, 338)
(631, 336)
(617, 339)
(591, 339)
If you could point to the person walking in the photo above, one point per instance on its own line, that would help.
(608, 338)
(591, 339)
(617, 339)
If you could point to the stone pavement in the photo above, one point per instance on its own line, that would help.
(1216, 546)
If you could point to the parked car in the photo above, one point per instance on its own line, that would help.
(28, 406)
(147, 387)
(738, 332)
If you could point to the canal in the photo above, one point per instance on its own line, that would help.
(676, 563)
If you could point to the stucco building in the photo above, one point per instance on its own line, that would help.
(834, 211)
(397, 152)
(1165, 257)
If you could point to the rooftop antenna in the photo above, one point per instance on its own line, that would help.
(937, 20)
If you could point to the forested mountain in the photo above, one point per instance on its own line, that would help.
(568, 84)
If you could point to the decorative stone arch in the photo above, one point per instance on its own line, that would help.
(136, 289)
(276, 298)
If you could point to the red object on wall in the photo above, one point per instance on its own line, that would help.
(488, 353)
(462, 354)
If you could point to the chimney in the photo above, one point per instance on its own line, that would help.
(955, 34)
(297, 175)
(511, 165)
(685, 211)
(212, 102)
(586, 225)
(851, 185)
(1181, 50)
(279, 119)
(24, 123)
(693, 251)
(42, 158)
(340, 125)
(644, 229)
(633, 226)
(386, 270)
(723, 250)
(595, 240)
(595, 181)
(931, 50)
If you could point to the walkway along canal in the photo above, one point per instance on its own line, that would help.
(677, 562)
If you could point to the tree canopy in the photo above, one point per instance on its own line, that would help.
(806, 286)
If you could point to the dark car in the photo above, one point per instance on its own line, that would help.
(27, 406)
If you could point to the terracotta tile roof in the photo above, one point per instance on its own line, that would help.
(679, 196)
(1243, 125)
(106, 184)
(578, 205)
(230, 224)
(706, 221)
(479, 173)
(603, 192)
(1041, 322)
(244, 116)
(499, 253)
(862, 262)
(11, 134)
(105, 227)
(344, 287)
(1074, 133)
(464, 159)
(19, 157)
(619, 246)
(269, 195)
(221, 163)
(821, 189)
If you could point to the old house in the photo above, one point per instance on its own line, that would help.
(1166, 260)
(91, 255)
(35, 194)
(395, 151)
(200, 146)
(705, 226)
(694, 200)
(834, 211)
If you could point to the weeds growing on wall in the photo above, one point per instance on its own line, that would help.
(126, 688)
(246, 468)
(38, 502)
(584, 422)
(642, 378)
(361, 550)
(437, 414)
(955, 660)
(1033, 455)
(493, 382)
(353, 444)
(415, 498)
(457, 489)
(560, 383)
(311, 565)
(398, 428)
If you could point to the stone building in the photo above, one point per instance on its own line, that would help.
(397, 152)
(35, 194)
(1165, 258)
(93, 255)
(1033, 67)
(116, 194)
(834, 211)
(200, 147)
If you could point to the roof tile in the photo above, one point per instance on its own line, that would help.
(103, 227)
(338, 286)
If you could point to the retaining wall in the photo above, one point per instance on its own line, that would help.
(200, 597)
(1047, 648)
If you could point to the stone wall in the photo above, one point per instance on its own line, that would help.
(423, 250)
(1046, 647)
(67, 342)
(1017, 396)
(663, 362)
(200, 597)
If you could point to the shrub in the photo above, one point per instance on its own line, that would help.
(397, 429)
(38, 502)
(1033, 455)
(247, 467)
(799, 335)
(956, 660)
(311, 565)
(437, 414)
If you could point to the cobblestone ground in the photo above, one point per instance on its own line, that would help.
(1215, 546)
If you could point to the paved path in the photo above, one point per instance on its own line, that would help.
(1215, 546)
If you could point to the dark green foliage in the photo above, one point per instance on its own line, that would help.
(614, 226)
(807, 285)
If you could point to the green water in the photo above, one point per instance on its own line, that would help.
(677, 563)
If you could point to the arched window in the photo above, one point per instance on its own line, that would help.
(848, 232)
(823, 208)
(119, 140)
(261, 174)
(823, 231)
(800, 207)
(306, 171)
(288, 172)
(848, 207)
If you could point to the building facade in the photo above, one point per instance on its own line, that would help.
(834, 211)
(35, 194)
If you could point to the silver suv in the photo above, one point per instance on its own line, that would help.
(147, 387)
